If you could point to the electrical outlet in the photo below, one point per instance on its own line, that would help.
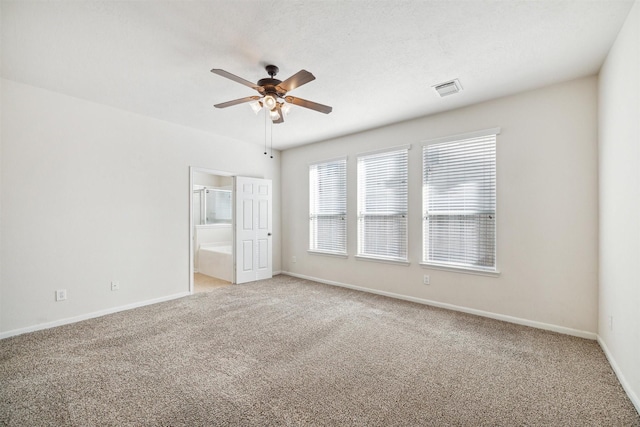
(61, 294)
(426, 280)
(115, 285)
(294, 259)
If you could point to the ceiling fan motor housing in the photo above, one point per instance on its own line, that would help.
(269, 85)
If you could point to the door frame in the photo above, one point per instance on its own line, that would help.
(193, 169)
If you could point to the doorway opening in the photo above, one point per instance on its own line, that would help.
(211, 230)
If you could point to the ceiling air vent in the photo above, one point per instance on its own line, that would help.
(448, 88)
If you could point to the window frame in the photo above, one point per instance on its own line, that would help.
(462, 268)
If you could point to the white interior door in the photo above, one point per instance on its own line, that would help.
(254, 256)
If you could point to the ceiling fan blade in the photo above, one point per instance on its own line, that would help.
(297, 80)
(309, 104)
(281, 119)
(237, 101)
(237, 79)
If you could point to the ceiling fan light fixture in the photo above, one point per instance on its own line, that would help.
(285, 108)
(269, 102)
(256, 106)
(274, 114)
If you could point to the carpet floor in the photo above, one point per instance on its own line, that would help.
(287, 351)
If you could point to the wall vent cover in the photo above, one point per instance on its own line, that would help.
(448, 88)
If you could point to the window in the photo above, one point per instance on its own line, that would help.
(459, 202)
(328, 207)
(382, 205)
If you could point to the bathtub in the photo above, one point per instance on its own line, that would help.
(216, 260)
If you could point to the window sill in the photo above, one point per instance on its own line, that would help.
(460, 269)
(382, 260)
(331, 254)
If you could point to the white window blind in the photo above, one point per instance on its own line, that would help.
(328, 207)
(382, 205)
(459, 203)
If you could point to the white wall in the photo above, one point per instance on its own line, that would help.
(547, 209)
(619, 158)
(206, 179)
(92, 194)
(211, 180)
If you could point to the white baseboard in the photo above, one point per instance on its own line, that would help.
(503, 317)
(616, 369)
(86, 316)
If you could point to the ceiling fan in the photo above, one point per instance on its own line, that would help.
(273, 93)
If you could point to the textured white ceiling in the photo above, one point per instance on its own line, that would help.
(374, 61)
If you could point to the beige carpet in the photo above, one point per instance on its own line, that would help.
(290, 352)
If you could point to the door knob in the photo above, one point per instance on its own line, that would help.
(268, 234)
